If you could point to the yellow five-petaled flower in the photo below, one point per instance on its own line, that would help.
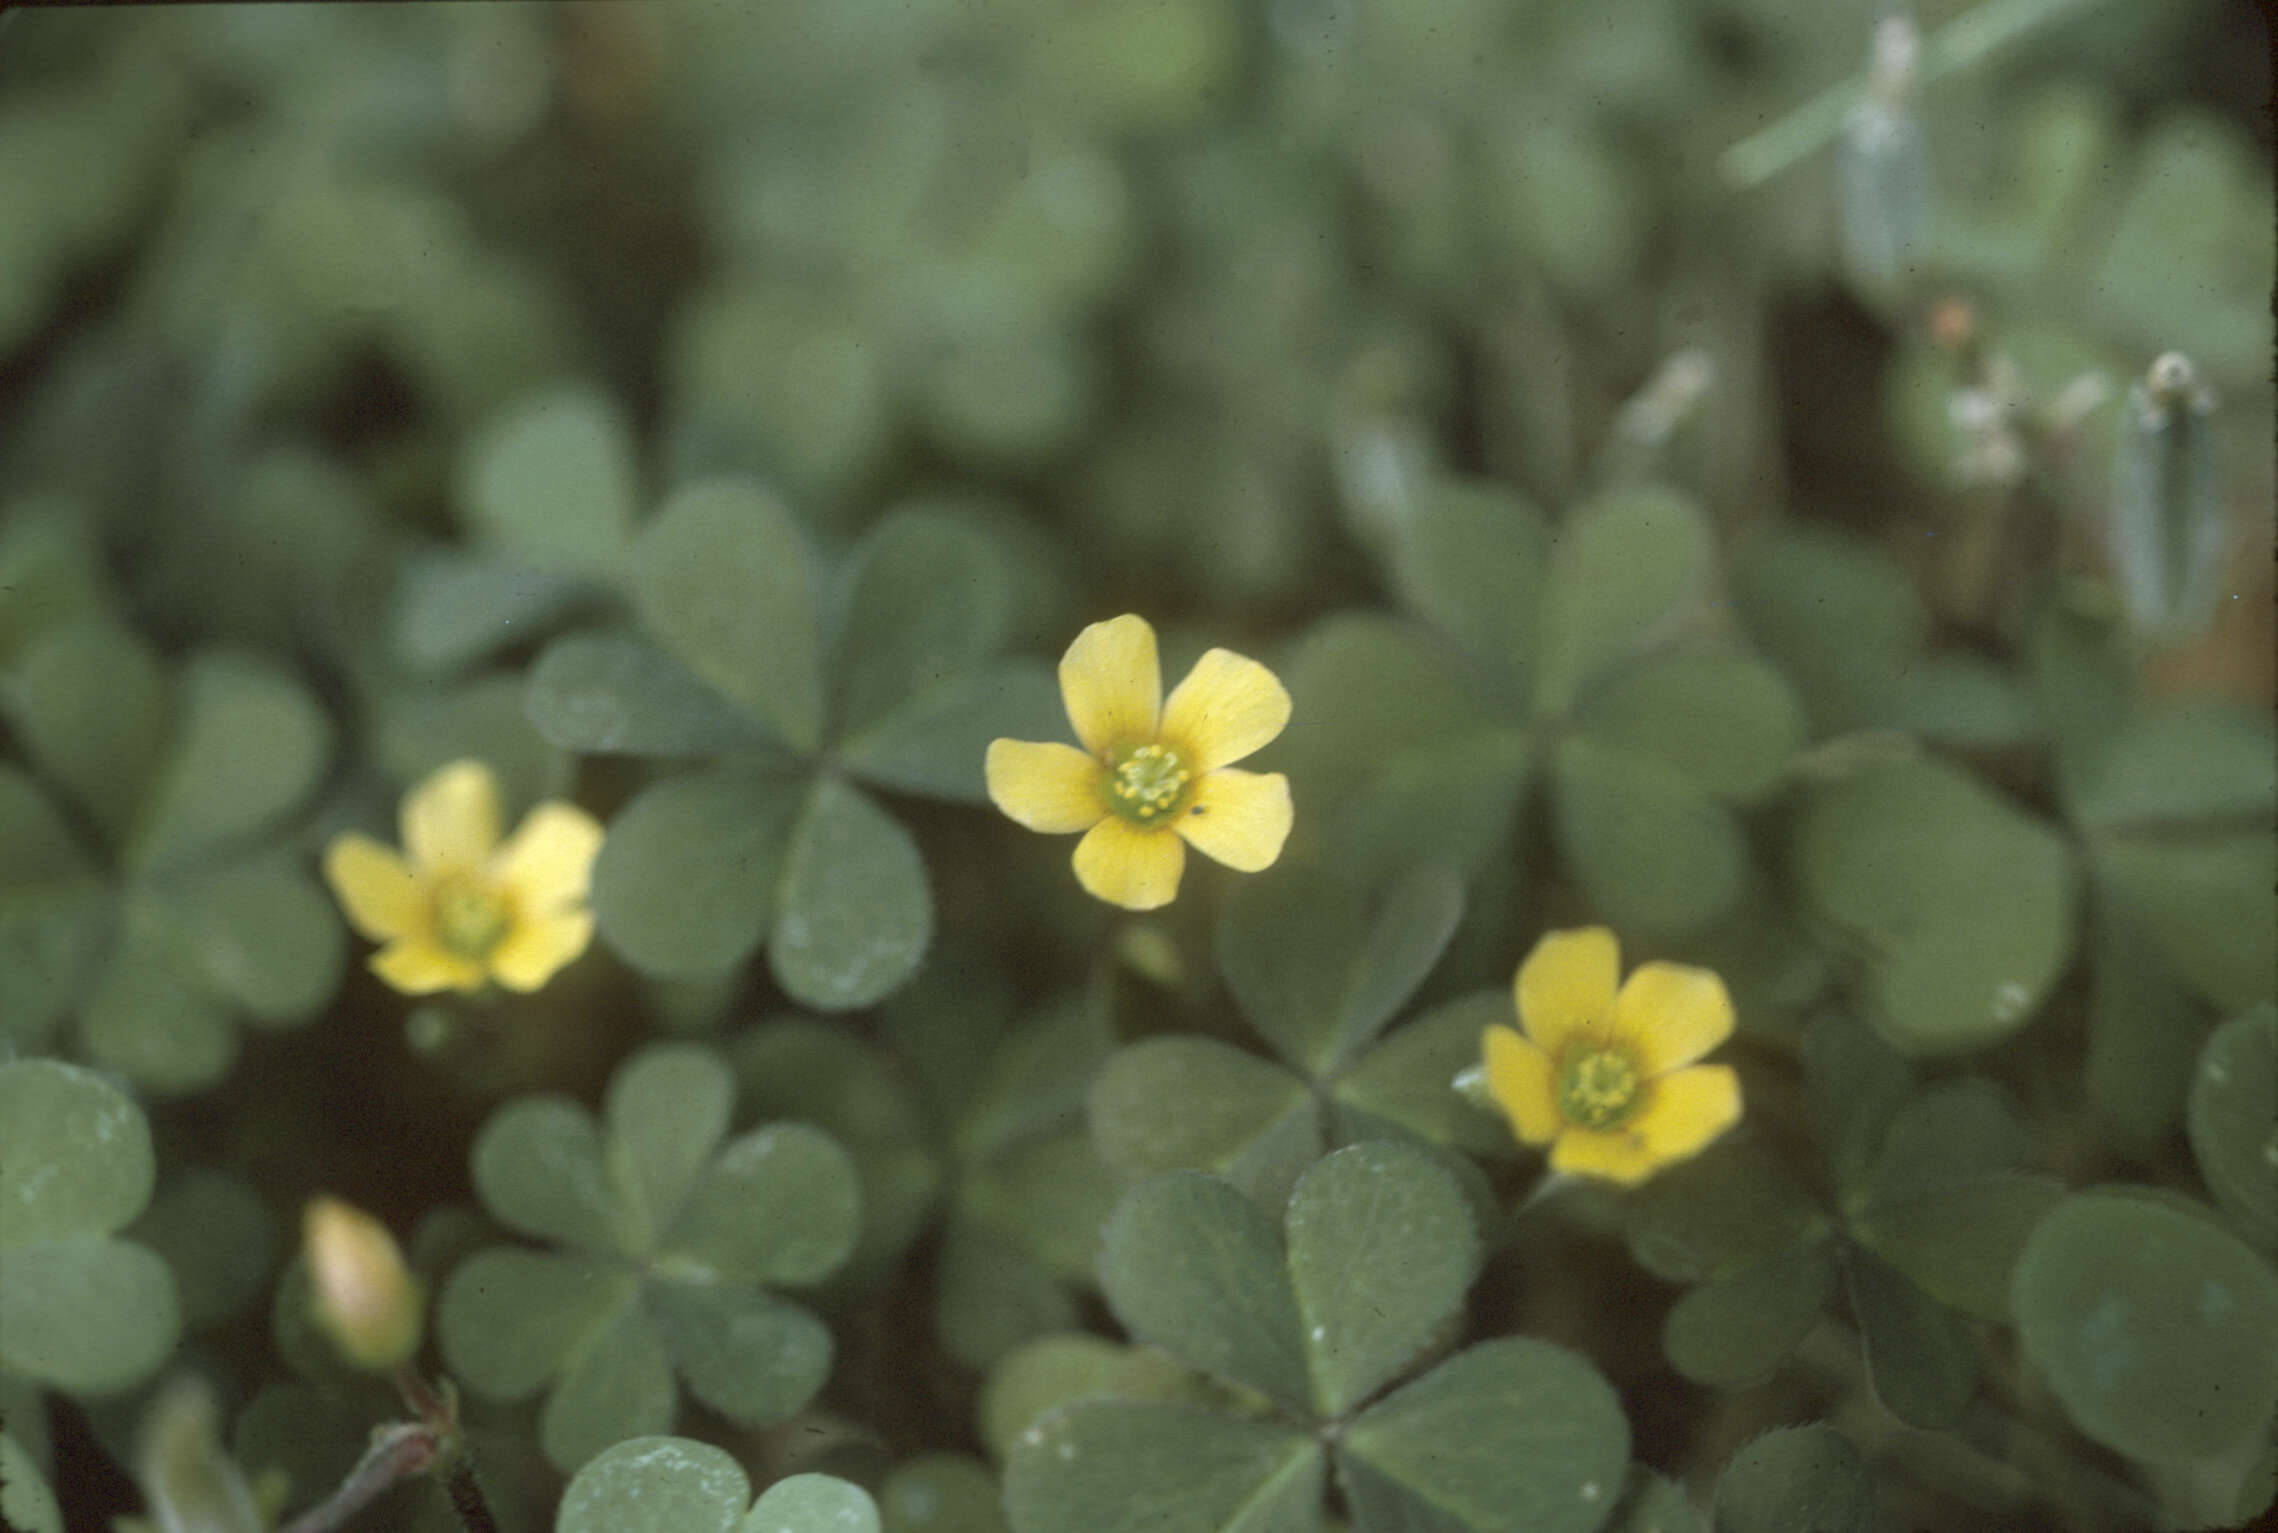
(1153, 777)
(1607, 1077)
(460, 909)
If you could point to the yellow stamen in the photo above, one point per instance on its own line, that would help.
(471, 917)
(1599, 1088)
(1146, 784)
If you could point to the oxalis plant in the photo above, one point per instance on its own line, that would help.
(1419, 766)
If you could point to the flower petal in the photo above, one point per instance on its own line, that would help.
(1113, 684)
(1689, 1108)
(416, 966)
(450, 821)
(1044, 785)
(1566, 985)
(1621, 1156)
(548, 863)
(1673, 1014)
(1228, 706)
(538, 949)
(375, 887)
(1238, 818)
(1519, 1079)
(1124, 865)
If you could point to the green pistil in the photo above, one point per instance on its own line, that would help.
(471, 918)
(1599, 1088)
(1146, 784)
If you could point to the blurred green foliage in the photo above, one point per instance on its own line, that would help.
(1712, 468)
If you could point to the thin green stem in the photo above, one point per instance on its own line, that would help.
(1967, 40)
(398, 1452)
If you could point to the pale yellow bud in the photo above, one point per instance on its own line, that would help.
(365, 1297)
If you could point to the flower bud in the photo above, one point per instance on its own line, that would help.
(364, 1295)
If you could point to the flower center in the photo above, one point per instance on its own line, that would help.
(1146, 784)
(471, 917)
(1599, 1087)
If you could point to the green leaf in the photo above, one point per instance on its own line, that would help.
(263, 935)
(540, 1168)
(1959, 1244)
(75, 1153)
(618, 1384)
(510, 1319)
(1381, 1251)
(1806, 1479)
(666, 1111)
(1650, 848)
(655, 1485)
(1838, 619)
(2144, 1032)
(720, 575)
(2181, 764)
(746, 1353)
(480, 719)
(142, 1020)
(1036, 1077)
(1196, 1268)
(86, 1313)
(1620, 568)
(1184, 1103)
(1962, 700)
(2233, 1119)
(1319, 976)
(551, 480)
(778, 1205)
(453, 610)
(992, 1296)
(54, 912)
(1961, 905)
(1369, 689)
(1115, 1466)
(1857, 1082)
(1510, 1436)
(1725, 723)
(1950, 1133)
(2152, 1324)
(2209, 901)
(933, 743)
(844, 1086)
(812, 1503)
(217, 1236)
(1921, 1357)
(685, 884)
(249, 746)
(1737, 1329)
(102, 756)
(1470, 560)
(618, 694)
(1653, 1504)
(1052, 1195)
(925, 598)
(941, 1493)
(853, 913)
(1728, 1208)
(1454, 804)
(26, 1503)
(1053, 1370)
(1409, 1078)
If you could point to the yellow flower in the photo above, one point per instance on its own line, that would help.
(365, 1298)
(463, 909)
(1153, 777)
(1607, 1078)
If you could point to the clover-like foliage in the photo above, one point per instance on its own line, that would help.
(1318, 1312)
(667, 1245)
(1549, 654)
(80, 1309)
(790, 694)
(145, 884)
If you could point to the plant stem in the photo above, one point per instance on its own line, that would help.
(1965, 41)
(398, 1452)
